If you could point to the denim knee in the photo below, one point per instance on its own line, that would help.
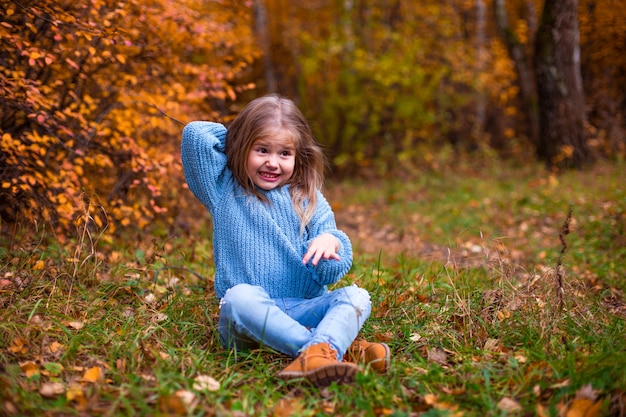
(241, 295)
(358, 298)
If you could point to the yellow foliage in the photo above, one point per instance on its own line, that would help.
(90, 126)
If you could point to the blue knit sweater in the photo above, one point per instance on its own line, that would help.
(255, 242)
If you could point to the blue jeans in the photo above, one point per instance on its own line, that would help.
(250, 318)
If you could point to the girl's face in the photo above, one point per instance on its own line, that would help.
(271, 161)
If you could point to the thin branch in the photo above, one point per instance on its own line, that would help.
(565, 230)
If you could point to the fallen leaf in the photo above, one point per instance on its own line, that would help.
(52, 369)
(415, 337)
(328, 407)
(492, 345)
(581, 407)
(51, 389)
(94, 374)
(172, 404)
(30, 368)
(503, 314)
(189, 398)
(287, 407)
(19, 345)
(55, 347)
(76, 325)
(75, 394)
(205, 382)
(437, 355)
(509, 405)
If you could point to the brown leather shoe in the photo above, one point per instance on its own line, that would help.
(319, 364)
(375, 355)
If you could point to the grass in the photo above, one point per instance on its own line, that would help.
(461, 270)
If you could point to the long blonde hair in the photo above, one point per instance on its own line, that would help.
(262, 118)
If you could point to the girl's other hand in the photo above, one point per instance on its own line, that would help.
(325, 246)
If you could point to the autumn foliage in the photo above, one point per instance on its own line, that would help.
(85, 87)
(93, 94)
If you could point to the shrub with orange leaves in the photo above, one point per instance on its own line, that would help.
(86, 88)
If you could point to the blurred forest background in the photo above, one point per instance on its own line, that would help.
(94, 94)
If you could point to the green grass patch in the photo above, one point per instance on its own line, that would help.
(462, 270)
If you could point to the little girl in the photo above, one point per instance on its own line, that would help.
(276, 244)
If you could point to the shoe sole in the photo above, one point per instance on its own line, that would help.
(341, 373)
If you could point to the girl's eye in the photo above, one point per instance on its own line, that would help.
(285, 153)
(262, 150)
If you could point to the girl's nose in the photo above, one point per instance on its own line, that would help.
(271, 161)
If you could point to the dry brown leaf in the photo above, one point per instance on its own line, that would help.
(509, 405)
(430, 399)
(30, 368)
(287, 407)
(492, 345)
(189, 398)
(438, 356)
(328, 407)
(56, 347)
(172, 404)
(76, 325)
(581, 407)
(205, 382)
(51, 389)
(19, 345)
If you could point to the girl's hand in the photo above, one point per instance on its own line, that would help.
(324, 246)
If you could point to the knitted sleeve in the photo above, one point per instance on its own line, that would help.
(204, 161)
(329, 271)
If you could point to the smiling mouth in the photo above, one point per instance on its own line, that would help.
(269, 176)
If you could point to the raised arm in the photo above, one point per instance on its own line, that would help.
(204, 161)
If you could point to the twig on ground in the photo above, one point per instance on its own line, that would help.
(559, 267)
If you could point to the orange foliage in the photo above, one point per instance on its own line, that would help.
(85, 87)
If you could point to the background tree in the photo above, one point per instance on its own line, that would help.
(93, 94)
(562, 139)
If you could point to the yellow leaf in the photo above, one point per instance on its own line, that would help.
(94, 374)
(19, 345)
(75, 393)
(121, 58)
(503, 314)
(39, 265)
(55, 347)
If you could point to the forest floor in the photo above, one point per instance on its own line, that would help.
(500, 291)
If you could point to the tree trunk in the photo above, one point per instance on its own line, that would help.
(561, 98)
(262, 31)
(481, 52)
(523, 68)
